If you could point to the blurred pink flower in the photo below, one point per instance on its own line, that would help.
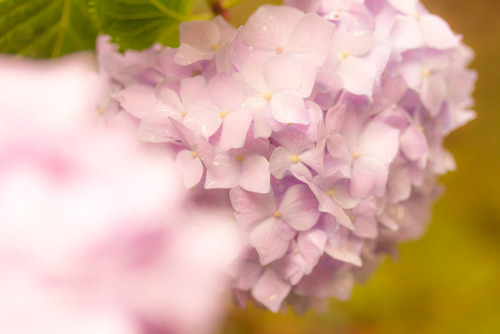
(97, 231)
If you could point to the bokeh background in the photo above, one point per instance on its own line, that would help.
(448, 281)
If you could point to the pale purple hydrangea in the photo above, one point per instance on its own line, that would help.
(320, 125)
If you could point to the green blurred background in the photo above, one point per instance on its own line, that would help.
(448, 281)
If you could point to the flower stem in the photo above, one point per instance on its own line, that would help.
(219, 9)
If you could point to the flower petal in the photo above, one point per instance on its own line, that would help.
(408, 7)
(204, 150)
(226, 92)
(301, 172)
(168, 97)
(271, 290)
(234, 129)
(413, 143)
(156, 127)
(366, 177)
(334, 118)
(248, 275)
(295, 140)
(190, 166)
(267, 241)
(269, 27)
(299, 208)
(437, 32)
(288, 107)
(193, 89)
(188, 54)
(311, 244)
(203, 118)
(136, 99)
(197, 38)
(313, 159)
(312, 37)
(280, 162)
(358, 75)
(379, 141)
(224, 172)
(406, 34)
(284, 73)
(344, 247)
(365, 226)
(183, 134)
(252, 207)
(255, 174)
(433, 94)
(261, 126)
(328, 205)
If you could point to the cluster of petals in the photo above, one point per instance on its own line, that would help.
(319, 123)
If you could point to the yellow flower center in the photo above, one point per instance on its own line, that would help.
(294, 158)
(355, 155)
(279, 49)
(194, 154)
(426, 72)
(345, 54)
(268, 96)
(214, 46)
(330, 192)
(223, 114)
(239, 157)
(183, 113)
(277, 214)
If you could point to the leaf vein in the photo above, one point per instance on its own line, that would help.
(63, 26)
(41, 37)
(27, 20)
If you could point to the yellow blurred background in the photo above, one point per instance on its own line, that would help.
(448, 281)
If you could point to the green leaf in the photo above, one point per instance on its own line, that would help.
(137, 24)
(45, 28)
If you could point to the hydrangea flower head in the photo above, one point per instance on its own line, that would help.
(320, 124)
